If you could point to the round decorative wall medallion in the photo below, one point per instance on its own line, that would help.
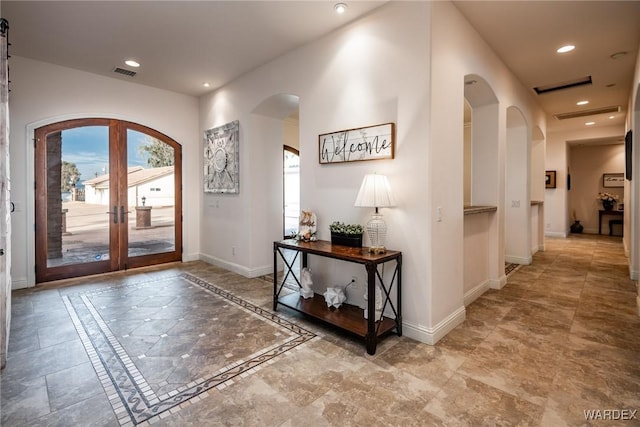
(219, 160)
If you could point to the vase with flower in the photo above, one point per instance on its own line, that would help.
(608, 200)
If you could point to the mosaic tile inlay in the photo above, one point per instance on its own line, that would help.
(196, 335)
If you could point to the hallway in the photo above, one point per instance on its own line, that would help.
(562, 338)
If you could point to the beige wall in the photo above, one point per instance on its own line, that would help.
(587, 164)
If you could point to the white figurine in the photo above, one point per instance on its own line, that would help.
(307, 284)
(334, 297)
(378, 313)
(307, 227)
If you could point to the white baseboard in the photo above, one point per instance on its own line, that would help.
(541, 247)
(498, 283)
(518, 260)
(433, 335)
(634, 275)
(237, 268)
(555, 234)
(476, 292)
(190, 257)
(19, 284)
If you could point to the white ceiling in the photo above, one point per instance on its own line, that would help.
(526, 34)
(182, 44)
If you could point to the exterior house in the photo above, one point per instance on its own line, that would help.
(154, 184)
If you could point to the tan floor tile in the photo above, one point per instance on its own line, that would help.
(560, 338)
(465, 401)
(518, 363)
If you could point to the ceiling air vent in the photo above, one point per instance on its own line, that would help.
(584, 113)
(564, 85)
(124, 72)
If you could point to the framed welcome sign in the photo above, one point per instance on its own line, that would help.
(353, 145)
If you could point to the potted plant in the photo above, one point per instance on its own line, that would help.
(608, 200)
(346, 234)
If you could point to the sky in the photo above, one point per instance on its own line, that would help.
(88, 148)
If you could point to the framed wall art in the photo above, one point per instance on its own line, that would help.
(612, 180)
(550, 179)
(352, 145)
(222, 159)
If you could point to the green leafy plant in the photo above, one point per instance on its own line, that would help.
(347, 229)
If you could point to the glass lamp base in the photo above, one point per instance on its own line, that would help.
(377, 231)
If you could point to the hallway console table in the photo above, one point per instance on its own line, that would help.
(347, 317)
(611, 212)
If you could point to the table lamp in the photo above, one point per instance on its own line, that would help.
(375, 192)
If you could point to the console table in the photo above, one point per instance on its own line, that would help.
(347, 317)
(602, 212)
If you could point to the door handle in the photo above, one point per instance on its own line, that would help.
(115, 214)
(122, 212)
(1, 252)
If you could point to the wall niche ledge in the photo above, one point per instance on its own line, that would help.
(472, 210)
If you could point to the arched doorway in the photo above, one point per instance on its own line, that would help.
(108, 197)
(484, 177)
(277, 119)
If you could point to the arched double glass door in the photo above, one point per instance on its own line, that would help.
(108, 197)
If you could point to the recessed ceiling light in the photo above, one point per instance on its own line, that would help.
(132, 63)
(618, 55)
(612, 117)
(206, 84)
(565, 49)
(590, 123)
(582, 102)
(340, 8)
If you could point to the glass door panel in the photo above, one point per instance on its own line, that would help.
(77, 219)
(151, 195)
(291, 175)
(73, 199)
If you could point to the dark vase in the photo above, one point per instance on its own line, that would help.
(607, 205)
(576, 227)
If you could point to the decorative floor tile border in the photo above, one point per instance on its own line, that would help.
(132, 399)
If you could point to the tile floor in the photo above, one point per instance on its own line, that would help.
(561, 338)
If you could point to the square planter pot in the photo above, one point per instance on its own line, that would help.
(354, 241)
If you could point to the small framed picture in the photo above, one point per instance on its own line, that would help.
(550, 179)
(612, 180)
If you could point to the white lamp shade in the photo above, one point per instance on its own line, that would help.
(375, 192)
